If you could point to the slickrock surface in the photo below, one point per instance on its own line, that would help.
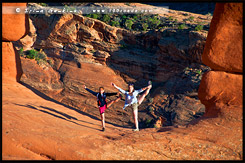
(37, 129)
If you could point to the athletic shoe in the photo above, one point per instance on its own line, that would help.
(103, 129)
(136, 129)
(150, 83)
(120, 96)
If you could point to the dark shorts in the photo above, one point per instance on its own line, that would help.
(102, 109)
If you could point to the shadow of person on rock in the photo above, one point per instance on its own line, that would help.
(42, 95)
(163, 129)
(57, 116)
(63, 114)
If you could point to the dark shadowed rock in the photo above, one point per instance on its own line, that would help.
(11, 68)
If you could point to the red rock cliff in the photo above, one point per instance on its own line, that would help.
(14, 27)
(223, 53)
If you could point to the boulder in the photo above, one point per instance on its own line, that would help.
(221, 87)
(43, 77)
(185, 109)
(14, 26)
(101, 54)
(27, 41)
(224, 46)
(177, 110)
(11, 65)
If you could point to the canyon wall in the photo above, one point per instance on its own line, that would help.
(88, 51)
(223, 52)
(14, 27)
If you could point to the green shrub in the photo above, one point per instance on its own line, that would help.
(41, 62)
(88, 15)
(43, 4)
(199, 27)
(95, 16)
(106, 18)
(182, 26)
(191, 18)
(41, 55)
(148, 122)
(128, 24)
(21, 52)
(144, 26)
(117, 19)
(31, 54)
(154, 22)
(199, 72)
(170, 18)
(115, 23)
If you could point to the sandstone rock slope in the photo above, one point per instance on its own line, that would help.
(37, 127)
(74, 43)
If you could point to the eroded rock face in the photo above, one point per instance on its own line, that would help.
(176, 110)
(223, 53)
(221, 87)
(87, 51)
(223, 50)
(42, 78)
(27, 42)
(177, 100)
(14, 26)
(136, 56)
(11, 65)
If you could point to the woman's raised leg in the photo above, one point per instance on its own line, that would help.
(113, 101)
(142, 97)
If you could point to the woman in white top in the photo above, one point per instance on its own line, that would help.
(132, 99)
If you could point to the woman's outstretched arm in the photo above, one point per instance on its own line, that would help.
(90, 91)
(120, 89)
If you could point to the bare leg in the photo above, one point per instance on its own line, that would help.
(142, 97)
(103, 120)
(135, 112)
(113, 101)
